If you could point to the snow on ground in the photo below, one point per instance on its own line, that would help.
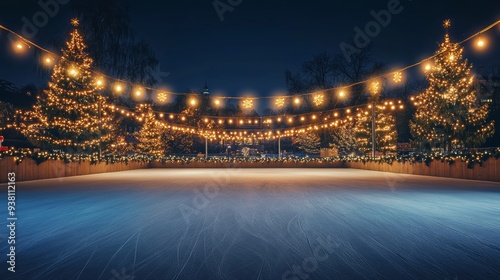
(256, 224)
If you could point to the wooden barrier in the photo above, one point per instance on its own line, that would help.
(489, 171)
(28, 170)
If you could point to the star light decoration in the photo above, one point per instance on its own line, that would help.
(280, 102)
(75, 22)
(447, 24)
(398, 77)
(374, 87)
(319, 99)
(162, 97)
(247, 103)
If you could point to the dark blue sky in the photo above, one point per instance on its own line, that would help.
(259, 40)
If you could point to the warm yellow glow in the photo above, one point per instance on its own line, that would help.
(427, 67)
(247, 104)
(348, 111)
(217, 102)
(374, 87)
(183, 118)
(398, 77)
(221, 121)
(335, 114)
(342, 94)
(118, 88)
(296, 101)
(162, 97)
(171, 116)
(452, 57)
(205, 120)
(138, 92)
(279, 119)
(193, 101)
(75, 22)
(161, 115)
(242, 122)
(302, 119)
(19, 46)
(280, 102)
(319, 99)
(290, 120)
(314, 117)
(73, 72)
(447, 23)
(48, 61)
(230, 121)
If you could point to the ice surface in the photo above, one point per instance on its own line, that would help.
(256, 224)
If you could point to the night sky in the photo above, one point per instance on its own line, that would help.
(255, 43)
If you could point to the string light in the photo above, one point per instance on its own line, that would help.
(118, 88)
(296, 101)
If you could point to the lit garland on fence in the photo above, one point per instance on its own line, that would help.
(471, 158)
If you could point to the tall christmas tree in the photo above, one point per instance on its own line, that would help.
(385, 131)
(71, 116)
(449, 114)
(309, 142)
(150, 137)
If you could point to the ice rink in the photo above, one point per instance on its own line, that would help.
(255, 224)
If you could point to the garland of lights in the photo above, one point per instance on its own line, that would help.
(119, 86)
(471, 158)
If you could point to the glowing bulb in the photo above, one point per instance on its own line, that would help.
(19, 46)
(119, 88)
(342, 94)
(427, 67)
(73, 72)
(192, 102)
(217, 102)
(296, 101)
(480, 43)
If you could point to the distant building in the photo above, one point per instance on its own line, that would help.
(205, 90)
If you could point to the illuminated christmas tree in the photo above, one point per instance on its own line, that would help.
(309, 142)
(448, 113)
(150, 137)
(71, 116)
(385, 131)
